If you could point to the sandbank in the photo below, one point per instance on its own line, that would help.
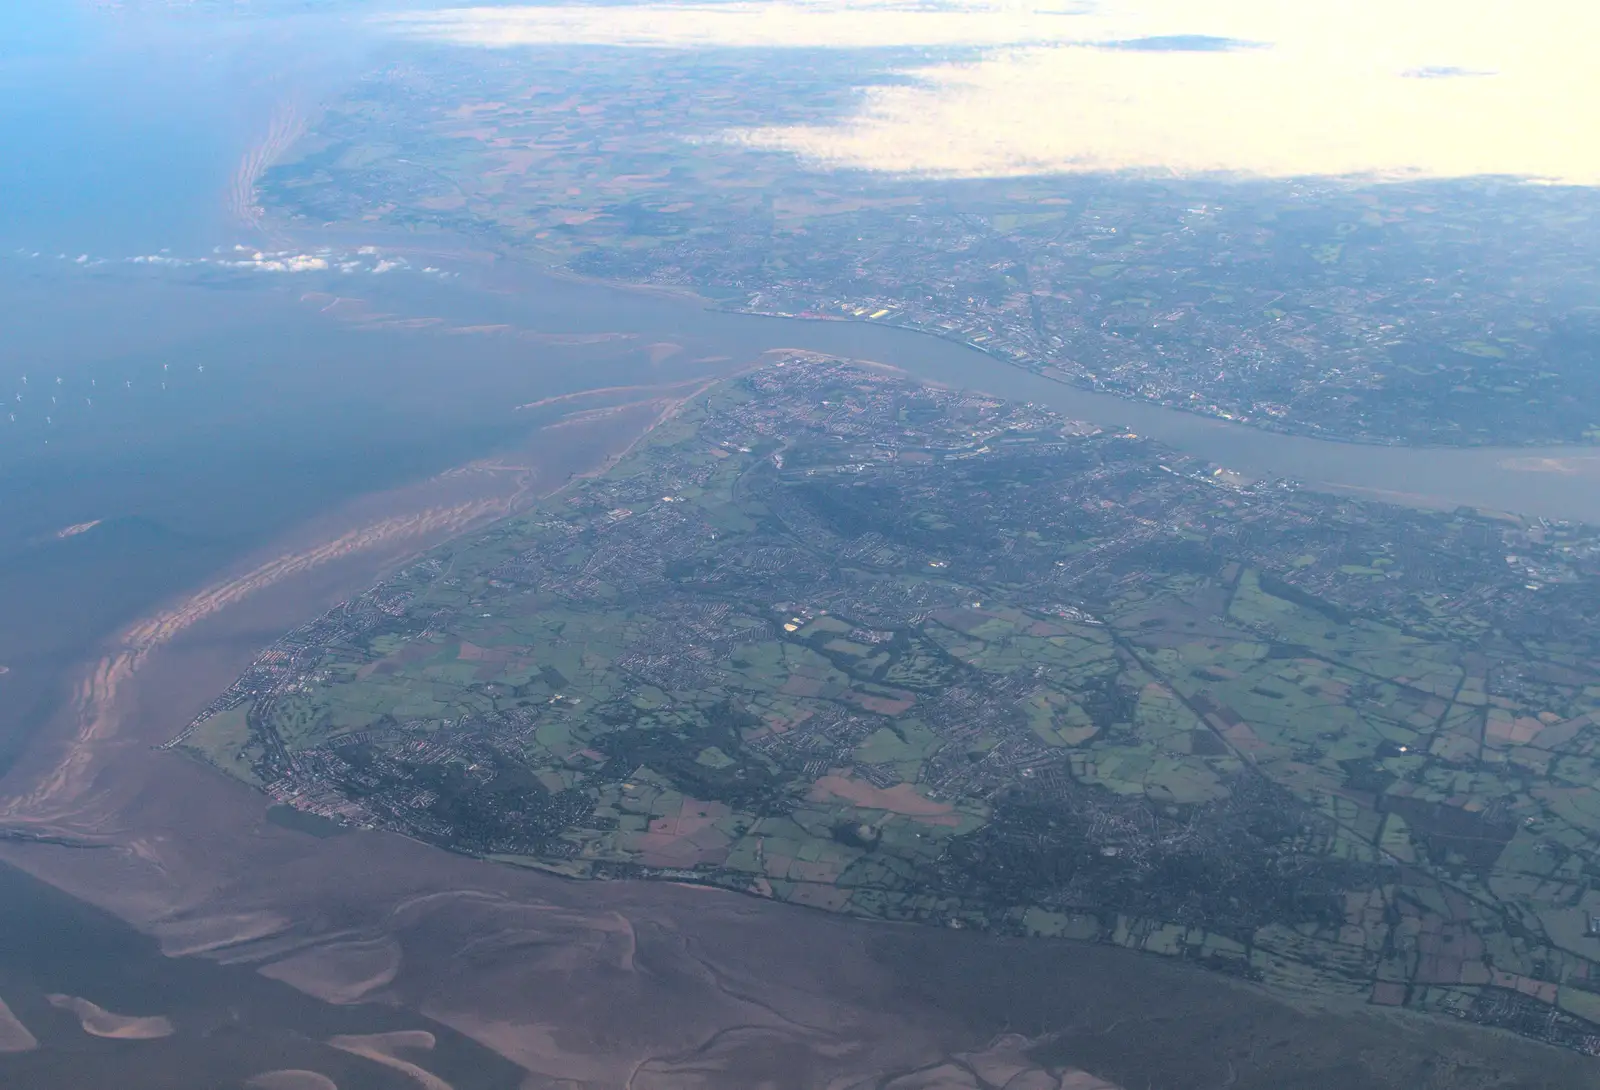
(380, 1048)
(99, 1022)
(290, 1079)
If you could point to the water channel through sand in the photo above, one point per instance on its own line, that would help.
(337, 430)
(1559, 482)
(645, 985)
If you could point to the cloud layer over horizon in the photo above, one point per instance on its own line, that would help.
(1234, 87)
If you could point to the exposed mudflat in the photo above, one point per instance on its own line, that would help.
(290, 1079)
(394, 964)
(99, 1022)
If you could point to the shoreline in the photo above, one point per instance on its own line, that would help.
(1538, 480)
(1044, 371)
(492, 254)
(375, 917)
(372, 531)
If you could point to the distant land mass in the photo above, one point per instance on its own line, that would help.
(834, 638)
(1430, 312)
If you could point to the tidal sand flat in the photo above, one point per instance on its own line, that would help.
(99, 1022)
(411, 960)
(602, 984)
(290, 1079)
(384, 1048)
(232, 1023)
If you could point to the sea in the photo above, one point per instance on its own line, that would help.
(173, 406)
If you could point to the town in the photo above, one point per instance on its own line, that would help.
(1457, 313)
(837, 639)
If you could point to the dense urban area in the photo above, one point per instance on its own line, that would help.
(837, 639)
(1443, 313)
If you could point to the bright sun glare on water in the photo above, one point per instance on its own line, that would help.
(1254, 87)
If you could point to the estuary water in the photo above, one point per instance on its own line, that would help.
(168, 411)
(166, 418)
(1556, 482)
(228, 1023)
(166, 415)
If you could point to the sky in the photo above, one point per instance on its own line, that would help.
(1262, 88)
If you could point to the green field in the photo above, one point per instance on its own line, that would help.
(834, 640)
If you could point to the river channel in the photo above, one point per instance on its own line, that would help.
(163, 426)
(1555, 482)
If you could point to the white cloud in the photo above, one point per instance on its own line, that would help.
(366, 259)
(1334, 88)
(293, 263)
(747, 23)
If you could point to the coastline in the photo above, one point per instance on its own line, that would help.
(1051, 373)
(659, 976)
(492, 254)
(335, 555)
